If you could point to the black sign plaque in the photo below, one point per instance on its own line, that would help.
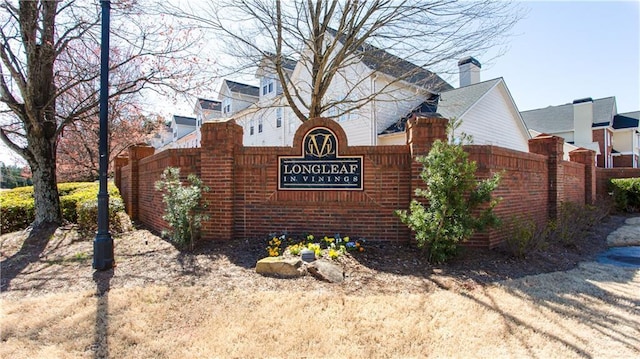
(320, 167)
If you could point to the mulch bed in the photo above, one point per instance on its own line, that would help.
(59, 260)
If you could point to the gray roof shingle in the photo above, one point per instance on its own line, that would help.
(182, 120)
(454, 103)
(210, 104)
(382, 61)
(243, 88)
(287, 63)
(449, 104)
(554, 119)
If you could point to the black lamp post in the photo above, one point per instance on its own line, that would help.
(103, 243)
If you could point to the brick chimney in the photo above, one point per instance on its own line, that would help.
(469, 71)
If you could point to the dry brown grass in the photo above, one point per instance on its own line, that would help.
(160, 303)
(591, 311)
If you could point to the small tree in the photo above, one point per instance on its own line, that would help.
(182, 205)
(453, 195)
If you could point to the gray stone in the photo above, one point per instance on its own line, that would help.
(635, 221)
(308, 255)
(280, 267)
(628, 235)
(326, 271)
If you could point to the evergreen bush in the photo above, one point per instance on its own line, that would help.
(17, 206)
(626, 194)
(183, 205)
(455, 203)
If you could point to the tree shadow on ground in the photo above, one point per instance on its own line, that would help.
(30, 251)
(605, 309)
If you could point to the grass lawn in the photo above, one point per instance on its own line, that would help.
(591, 311)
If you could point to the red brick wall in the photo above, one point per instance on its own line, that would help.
(124, 184)
(244, 201)
(261, 209)
(623, 161)
(573, 182)
(523, 188)
(587, 158)
(150, 206)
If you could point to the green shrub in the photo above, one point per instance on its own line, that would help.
(626, 194)
(16, 214)
(87, 211)
(17, 205)
(68, 188)
(456, 203)
(182, 205)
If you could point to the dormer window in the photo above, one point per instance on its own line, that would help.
(226, 106)
(267, 85)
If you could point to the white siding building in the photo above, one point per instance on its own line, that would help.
(367, 94)
(486, 110)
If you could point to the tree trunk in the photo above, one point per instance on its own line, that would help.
(45, 188)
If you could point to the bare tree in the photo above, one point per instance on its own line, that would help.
(49, 75)
(326, 37)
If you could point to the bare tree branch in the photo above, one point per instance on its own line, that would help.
(327, 37)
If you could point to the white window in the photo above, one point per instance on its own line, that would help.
(344, 116)
(343, 107)
(279, 117)
(251, 128)
(260, 126)
(226, 106)
(333, 112)
(267, 85)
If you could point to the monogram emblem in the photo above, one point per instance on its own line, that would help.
(320, 145)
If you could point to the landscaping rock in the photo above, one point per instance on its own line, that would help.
(308, 255)
(635, 221)
(627, 235)
(326, 271)
(280, 267)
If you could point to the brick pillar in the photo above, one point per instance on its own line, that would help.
(588, 158)
(422, 132)
(551, 146)
(221, 141)
(136, 153)
(118, 163)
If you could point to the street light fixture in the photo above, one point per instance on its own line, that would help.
(103, 243)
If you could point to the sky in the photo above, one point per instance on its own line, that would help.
(564, 51)
(561, 51)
